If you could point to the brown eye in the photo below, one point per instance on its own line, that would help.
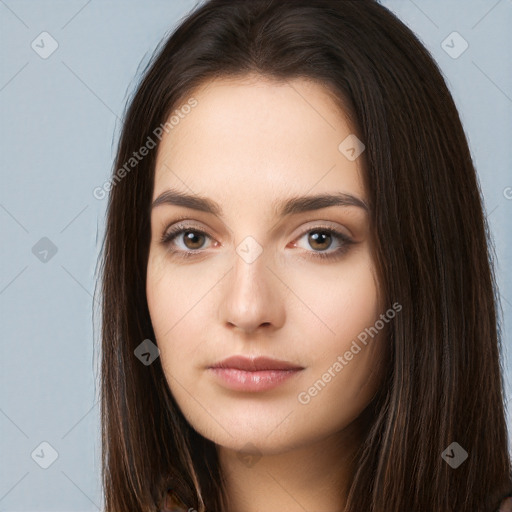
(320, 240)
(193, 239)
(187, 239)
(186, 242)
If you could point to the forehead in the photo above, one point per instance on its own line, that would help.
(254, 137)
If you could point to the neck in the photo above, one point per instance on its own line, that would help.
(312, 477)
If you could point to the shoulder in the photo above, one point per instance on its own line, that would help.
(174, 504)
(506, 505)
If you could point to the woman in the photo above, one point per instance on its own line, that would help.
(299, 305)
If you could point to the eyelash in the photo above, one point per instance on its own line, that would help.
(179, 229)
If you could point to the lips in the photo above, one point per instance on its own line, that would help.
(258, 374)
(255, 364)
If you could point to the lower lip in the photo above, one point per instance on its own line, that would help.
(240, 380)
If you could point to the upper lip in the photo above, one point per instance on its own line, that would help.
(255, 364)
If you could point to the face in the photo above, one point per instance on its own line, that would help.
(238, 273)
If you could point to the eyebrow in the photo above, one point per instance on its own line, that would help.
(291, 206)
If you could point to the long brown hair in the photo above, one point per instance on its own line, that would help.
(432, 251)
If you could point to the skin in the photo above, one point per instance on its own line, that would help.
(248, 143)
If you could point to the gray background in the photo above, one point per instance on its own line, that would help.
(60, 118)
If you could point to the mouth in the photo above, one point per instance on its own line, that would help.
(253, 374)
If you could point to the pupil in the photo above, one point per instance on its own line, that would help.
(316, 237)
(189, 237)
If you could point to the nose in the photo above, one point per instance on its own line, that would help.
(253, 298)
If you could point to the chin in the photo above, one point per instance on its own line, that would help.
(257, 437)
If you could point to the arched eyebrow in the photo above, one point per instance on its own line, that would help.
(283, 208)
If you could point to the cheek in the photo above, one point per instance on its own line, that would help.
(355, 303)
(176, 298)
(338, 392)
(347, 349)
(341, 304)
